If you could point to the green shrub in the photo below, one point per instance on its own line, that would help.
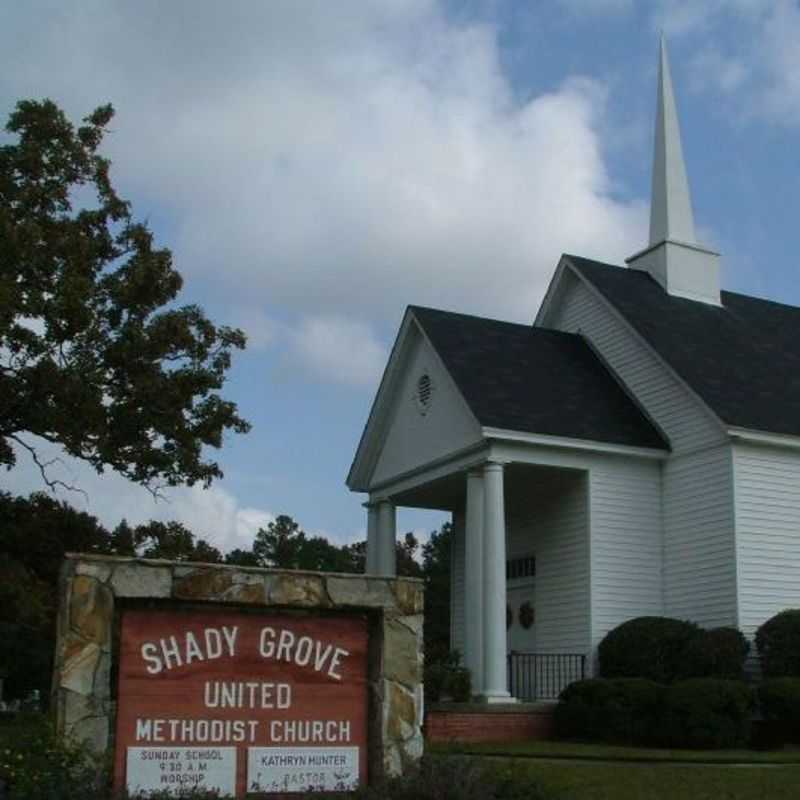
(36, 765)
(707, 713)
(447, 679)
(778, 644)
(617, 711)
(646, 647)
(780, 705)
(715, 653)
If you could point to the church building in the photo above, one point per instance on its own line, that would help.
(635, 451)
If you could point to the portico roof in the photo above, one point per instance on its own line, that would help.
(520, 378)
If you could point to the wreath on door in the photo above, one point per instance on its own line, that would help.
(526, 615)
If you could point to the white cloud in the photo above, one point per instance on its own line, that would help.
(711, 69)
(342, 350)
(213, 514)
(760, 61)
(336, 158)
(602, 7)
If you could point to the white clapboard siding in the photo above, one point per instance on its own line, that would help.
(767, 484)
(414, 438)
(551, 522)
(663, 397)
(626, 542)
(699, 540)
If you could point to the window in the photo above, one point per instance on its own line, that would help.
(523, 567)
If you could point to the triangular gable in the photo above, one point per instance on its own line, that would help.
(413, 421)
(649, 380)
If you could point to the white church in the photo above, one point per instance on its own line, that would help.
(635, 451)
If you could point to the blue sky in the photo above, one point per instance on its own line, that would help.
(317, 166)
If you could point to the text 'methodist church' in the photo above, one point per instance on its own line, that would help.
(636, 451)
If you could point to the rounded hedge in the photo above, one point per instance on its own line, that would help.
(698, 713)
(618, 711)
(778, 644)
(715, 653)
(780, 705)
(646, 647)
(707, 713)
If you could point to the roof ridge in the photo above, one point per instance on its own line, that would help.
(528, 326)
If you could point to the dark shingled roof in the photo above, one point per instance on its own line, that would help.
(742, 359)
(521, 378)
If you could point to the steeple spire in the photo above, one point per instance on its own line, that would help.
(671, 204)
(673, 257)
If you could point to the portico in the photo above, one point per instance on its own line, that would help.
(524, 576)
(485, 647)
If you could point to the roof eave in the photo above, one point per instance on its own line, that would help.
(752, 436)
(565, 442)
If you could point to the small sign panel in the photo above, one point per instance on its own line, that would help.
(205, 696)
(178, 770)
(302, 769)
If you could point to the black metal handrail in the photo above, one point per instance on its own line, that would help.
(542, 676)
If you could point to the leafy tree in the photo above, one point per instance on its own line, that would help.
(94, 356)
(242, 558)
(122, 540)
(173, 541)
(406, 557)
(36, 533)
(436, 556)
(284, 545)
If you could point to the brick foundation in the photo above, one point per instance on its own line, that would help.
(468, 722)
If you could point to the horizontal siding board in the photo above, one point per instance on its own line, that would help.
(699, 543)
(550, 522)
(767, 532)
(625, 514)
(687, 424)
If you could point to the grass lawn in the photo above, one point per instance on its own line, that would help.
(601, 752)
(571, 771)
(630, 781)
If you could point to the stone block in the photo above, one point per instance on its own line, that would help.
(91, 609)
(298, 590)
(95, 569)
(141, 580)
(360, 591)
(410, 597)
(78, 670)
(400, 712)
(400, 660)
(203, 584)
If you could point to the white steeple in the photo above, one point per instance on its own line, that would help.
(674, 258)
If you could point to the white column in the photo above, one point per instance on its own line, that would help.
(371, 565)
(386, 539)
(473, 580)
(494, 587)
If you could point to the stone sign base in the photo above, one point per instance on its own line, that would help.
(98, 591)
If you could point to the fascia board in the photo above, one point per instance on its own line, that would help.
(763, 437)
(551, 294)
(565, 442)
(369, 443)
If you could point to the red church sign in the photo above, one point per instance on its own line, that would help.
(239, 702)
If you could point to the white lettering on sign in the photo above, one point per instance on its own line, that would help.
(196, 730)
(246, 694)
(313, 731)
(178, 770)
(175, 651)
(302, 769)
(283, 645)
